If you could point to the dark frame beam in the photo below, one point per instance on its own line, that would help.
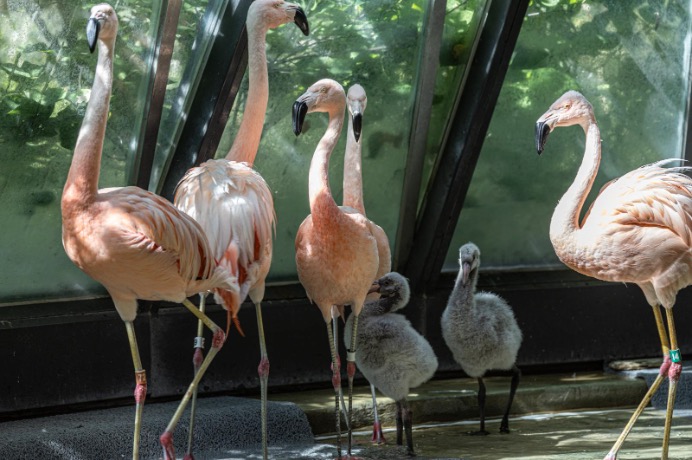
(428, 63)
(168, 26)
(451, 178)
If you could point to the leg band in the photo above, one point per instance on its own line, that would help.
(675, 356)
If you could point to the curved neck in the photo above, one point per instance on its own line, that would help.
(247, 139)
(565, 220)
(353, 175)
(322, 204)
(82, 180)
(462, 294)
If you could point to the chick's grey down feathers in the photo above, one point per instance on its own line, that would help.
(479, 328)
(392, 355)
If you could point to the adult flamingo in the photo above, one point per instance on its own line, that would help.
(232, 202)
(133, 242)
(638, 230)
(336, 252)
(356, 102)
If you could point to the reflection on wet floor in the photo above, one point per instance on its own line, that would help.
(564, 435)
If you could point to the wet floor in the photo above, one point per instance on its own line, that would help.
(564, 436)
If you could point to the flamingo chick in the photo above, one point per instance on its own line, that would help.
(133, 242)
(356, 102)
(481, 331)
(392, 355)
(336, 252)
(638, 230)
(232, 201)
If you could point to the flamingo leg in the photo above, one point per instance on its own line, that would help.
(481, 407)
(263, 372)
(219, 337)
(377, 435)
(140, 388)
(399, 424)
(336, 381)
(335, 328)
(407, 419)
(197, 358)
(663, 372)
(673, 377)
(516, 375)
(351, 372)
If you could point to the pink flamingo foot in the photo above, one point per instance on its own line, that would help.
(377, 434)
(197, 359)
(675, 371)
(140, 387)
(665, 365)
(351, 369)
(166, 440)
(263, 368)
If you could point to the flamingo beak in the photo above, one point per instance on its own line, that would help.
(301, 21)
(542, 130)
(92, 31)
(465, 272)
(374, 288)
(357, 119)
(300, 109)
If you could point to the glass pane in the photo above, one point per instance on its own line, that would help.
(190, 53)
(372, 43)
(46, 73)
(461, 29)
(631, 61)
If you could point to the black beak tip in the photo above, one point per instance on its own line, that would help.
(542, 131)
(357, 125)
(299, 111)
(301, 21)
(92, 31)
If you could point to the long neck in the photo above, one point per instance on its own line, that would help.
(247, 140)
(462, 294)
(353, 175)
(565, 220)
(83, 177)
(322, 204)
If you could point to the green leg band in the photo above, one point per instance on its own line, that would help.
(675, 356)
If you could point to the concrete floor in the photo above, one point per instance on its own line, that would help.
(557, 416)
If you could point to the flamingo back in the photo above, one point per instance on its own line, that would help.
(235, 207)
(139, 246)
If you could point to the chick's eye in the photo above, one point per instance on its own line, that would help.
(567, 106)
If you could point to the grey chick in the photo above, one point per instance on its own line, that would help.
(481, 331)
(392, 355)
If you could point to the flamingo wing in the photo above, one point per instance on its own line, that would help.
(235, 207)
(650, 196)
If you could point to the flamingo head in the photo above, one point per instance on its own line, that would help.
(469, 260)
(324, 96)
(394, 291)
(571, 108)
(356, 101)
(274, 13)
(102, 25)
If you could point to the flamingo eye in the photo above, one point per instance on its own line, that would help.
(567, 106)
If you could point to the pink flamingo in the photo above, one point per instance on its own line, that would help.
(232, 202)
(638, 230)
(336, 252)
(133, 242)
(356, 102)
